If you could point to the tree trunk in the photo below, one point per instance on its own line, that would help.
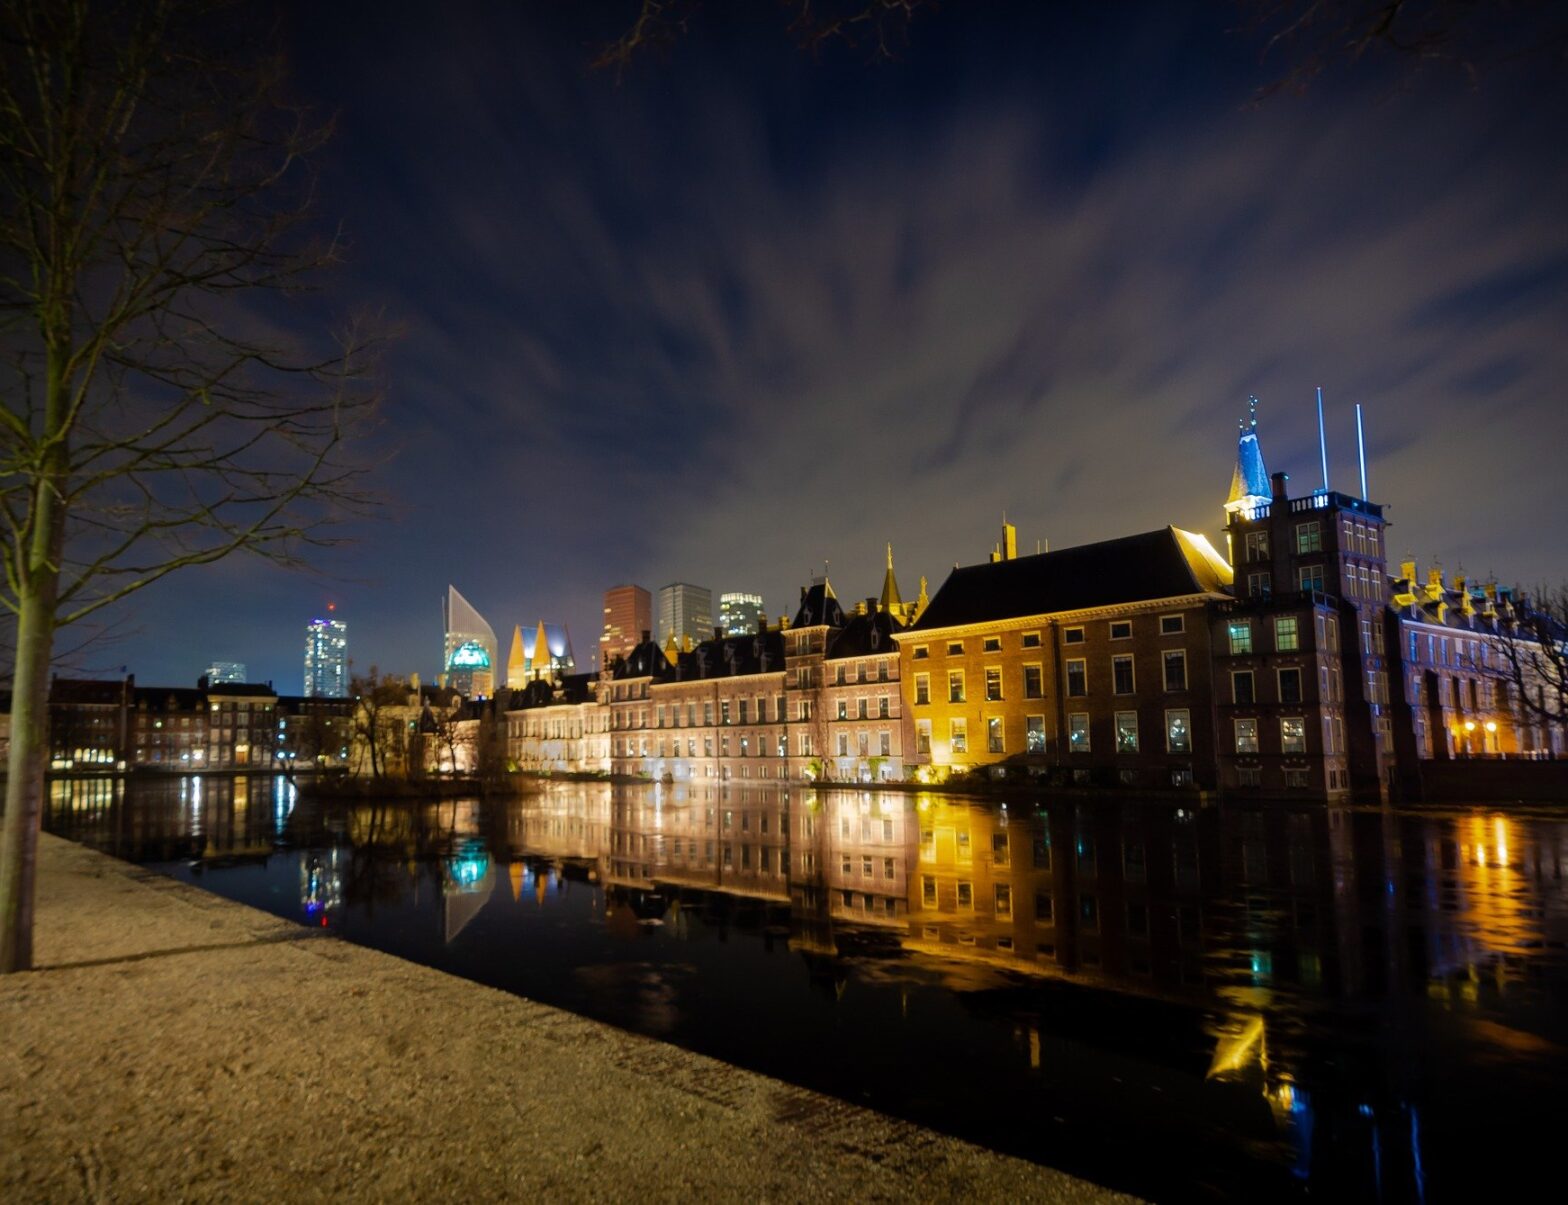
(24, 788)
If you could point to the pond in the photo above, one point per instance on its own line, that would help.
(1184, 1002)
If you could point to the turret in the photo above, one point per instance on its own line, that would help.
(1249, 483)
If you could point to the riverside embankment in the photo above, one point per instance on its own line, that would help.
(174, 1045)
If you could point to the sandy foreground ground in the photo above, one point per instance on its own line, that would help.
(176, 1046)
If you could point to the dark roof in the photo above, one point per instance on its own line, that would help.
(169, 698)
(730, 657)
(865, 636)
(80, 692)
(647, 660)
(818, 606)
(1157, 564)
(572, 688)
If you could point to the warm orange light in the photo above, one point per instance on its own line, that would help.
(1491, 725)
(1469, 725)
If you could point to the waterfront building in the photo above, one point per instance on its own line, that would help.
(628, 612)
(226, 671)
(469, 648)
(556, 726)
(1089, 662)
(740, 614)
(314, 730)
(326, 658)
(170, 727)
(242, 725)
(685, 612)
(89, 725)
(870, 731)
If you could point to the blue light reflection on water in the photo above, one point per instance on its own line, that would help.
(1238, 989)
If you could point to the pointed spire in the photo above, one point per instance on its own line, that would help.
(1249, 484)
(890, 601)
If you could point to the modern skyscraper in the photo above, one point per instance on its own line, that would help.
(326, 658)
(226, 671)
(469, 654)
(740, 614)
(628, 613)
(685, 611)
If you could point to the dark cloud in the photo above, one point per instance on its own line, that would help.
(747, 312)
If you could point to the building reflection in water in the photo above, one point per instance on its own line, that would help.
(1252, 967)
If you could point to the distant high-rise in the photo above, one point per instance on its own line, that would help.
(685, 611)
(326, 658)
(628, 613)
(226, 671)
(469, 654)
(740, 614)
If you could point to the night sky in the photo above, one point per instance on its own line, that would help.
(747, 309)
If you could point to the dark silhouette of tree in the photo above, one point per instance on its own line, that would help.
(153, 198)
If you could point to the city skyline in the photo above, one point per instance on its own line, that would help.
(1206, 248)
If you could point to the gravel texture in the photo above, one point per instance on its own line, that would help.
(176, 1046)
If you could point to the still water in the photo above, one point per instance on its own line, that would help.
(1187, 1003)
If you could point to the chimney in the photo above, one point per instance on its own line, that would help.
(646, 635)
(1278, 482)
(1407, 570)
(1009, 541)
(718, 633)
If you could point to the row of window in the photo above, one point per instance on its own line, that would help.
(1116, 629)
(1178, 733)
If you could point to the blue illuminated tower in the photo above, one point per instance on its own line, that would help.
(326, 658)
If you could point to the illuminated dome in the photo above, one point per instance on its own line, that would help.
(469, 655)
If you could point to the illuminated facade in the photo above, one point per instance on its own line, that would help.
(469, 650)
(628, 613)
(557, 727)
(740, 614)
(1090, 664)
(326, 659)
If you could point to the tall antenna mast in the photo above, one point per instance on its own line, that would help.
(1322, 440)
(1361, 448)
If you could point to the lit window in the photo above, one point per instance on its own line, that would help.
(993, 734)
(1246, 736)
(1126, 732)
(1034, 734)
(993, 684)
(1287, 638)
(1293, 734)
(1240, 636)
(1309, 537)
(1310, 577)
(955, 686)
(1078, 732)
(959, 735)
(1178, 731)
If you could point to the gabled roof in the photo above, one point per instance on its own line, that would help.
(867, 635)
(818, 606)
(1168, 563)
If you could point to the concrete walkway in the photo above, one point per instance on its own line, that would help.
(174, 1045)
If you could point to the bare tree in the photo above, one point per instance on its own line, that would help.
(380, 725)
(153, 224)
(1533, 640)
